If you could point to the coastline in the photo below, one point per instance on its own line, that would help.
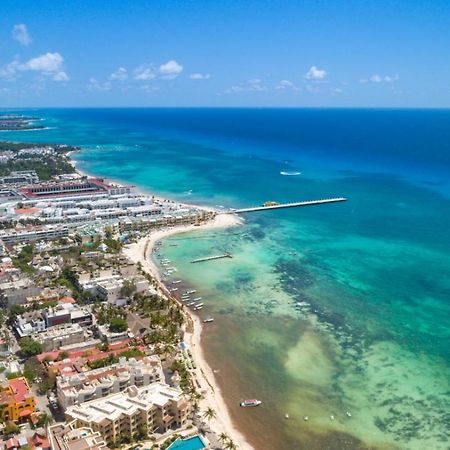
(140, 251)
(204, 376)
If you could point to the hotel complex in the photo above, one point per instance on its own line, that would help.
(74, 389)
(156, 408)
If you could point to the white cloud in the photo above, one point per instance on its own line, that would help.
(170, 70)
(254, 84)
(60, 76)
(336, 91)
(377, 78)
(199, 76)
(49, 62)
(286, 85)
(120, 74)
(391, 79)
(20, 34)
(8, 71)
(144, 73)
(316, 74)
(95, 85)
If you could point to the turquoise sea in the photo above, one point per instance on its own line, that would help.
(372, 275)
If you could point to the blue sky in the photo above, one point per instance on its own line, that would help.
(225, 53)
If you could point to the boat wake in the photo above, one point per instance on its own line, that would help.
(290, 174)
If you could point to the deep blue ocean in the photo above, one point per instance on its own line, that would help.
(372, 275)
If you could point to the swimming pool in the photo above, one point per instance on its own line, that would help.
(193, 443)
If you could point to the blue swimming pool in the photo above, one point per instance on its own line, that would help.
(193, 443)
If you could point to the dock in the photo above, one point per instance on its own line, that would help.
(211, 258)
(288, 205)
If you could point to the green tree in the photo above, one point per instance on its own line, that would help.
(30, 347)
(209, 414)
(11, 429)
(128, 288)
(118, 325)
(44, 420)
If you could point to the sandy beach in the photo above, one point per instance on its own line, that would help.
(140, 251)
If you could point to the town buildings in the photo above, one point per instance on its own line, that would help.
(76, 388)
(156, 408)
(66, 436)
(58, 336)
(18, 399)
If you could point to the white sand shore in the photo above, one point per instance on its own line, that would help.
(212, 395)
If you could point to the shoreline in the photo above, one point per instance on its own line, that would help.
(213, 397)
(140, 251)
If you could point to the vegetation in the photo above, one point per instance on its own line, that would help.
(30, 347)
(44, 420)
(209, 414)
(11, 429)
(128, 288)
(24, 258)
(45, 167)
(118, 325)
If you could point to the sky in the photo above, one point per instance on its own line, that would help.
(256, 53)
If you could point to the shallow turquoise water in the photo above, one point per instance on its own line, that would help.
(371, 336)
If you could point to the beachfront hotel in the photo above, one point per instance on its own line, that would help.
(157, 407)
(74, 389)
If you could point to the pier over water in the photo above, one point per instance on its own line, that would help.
(288, 205)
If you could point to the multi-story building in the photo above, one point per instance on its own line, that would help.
(74, 389)
(16, 291)
(28, 323)
(66, 436)
(68, 313)
(110, 289)
(20, 178)
(18, 399)
(157, 408)
(60, 335)
(34, 234)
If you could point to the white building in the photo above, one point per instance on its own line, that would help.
(78, 388)
(157, 407)
(60, 335)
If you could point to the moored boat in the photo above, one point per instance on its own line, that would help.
(208, 320)
(250, 402)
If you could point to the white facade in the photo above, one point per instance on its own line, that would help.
(94, 384)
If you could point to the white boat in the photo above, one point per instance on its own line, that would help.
(250, 402)
(190, 304)
(208, 320)
(198, 308)
(197, 299)
(200, 304)
(191, 291)
(290, 173)
(176, 281)
(173, 289)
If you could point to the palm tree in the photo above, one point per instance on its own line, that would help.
(45, 420)
(223, 437)
(230, 445)
(209, 414)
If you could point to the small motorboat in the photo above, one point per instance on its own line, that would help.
(250, 403)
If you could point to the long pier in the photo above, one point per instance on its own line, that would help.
(211, 258)
(288, 205)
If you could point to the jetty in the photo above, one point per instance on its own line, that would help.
(211, 258)
(288, 205)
